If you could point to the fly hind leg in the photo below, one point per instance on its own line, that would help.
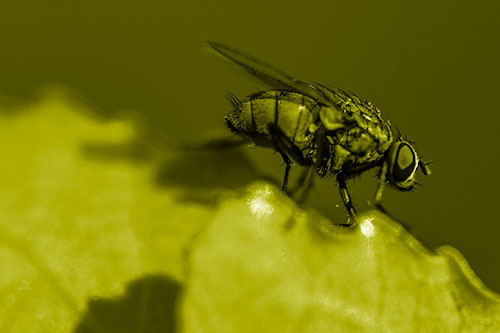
(286, 148)
(304, 185)
(288, 167)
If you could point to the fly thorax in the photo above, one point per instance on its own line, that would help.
(331, 118)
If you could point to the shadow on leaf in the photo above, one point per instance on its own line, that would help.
(199, 173)
(148, 305)
(130, 151)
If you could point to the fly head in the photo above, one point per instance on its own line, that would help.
(403, 162)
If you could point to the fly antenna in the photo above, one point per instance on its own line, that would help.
(424, 167)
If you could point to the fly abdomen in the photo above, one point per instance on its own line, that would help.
(292, 112)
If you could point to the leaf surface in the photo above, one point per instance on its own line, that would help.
(101, 232)
(82, 217)
(265, 266)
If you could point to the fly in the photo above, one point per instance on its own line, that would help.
(326, 129)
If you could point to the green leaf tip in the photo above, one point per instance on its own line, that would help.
(265, 265)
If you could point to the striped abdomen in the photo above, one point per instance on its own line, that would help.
(292, 112)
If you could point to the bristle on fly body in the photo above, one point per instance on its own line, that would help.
(235, 102)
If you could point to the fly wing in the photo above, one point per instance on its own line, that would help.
(333, 94)
(269, 74)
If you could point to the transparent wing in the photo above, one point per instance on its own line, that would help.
(334, 94)
(269, 74)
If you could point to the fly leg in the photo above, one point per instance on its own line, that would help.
(304, 183)
(288, 167)
(346, 198)
(278, 138)
(380, 187)
(285, 147)
(382, 176)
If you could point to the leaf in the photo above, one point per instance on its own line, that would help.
(263, 265)
(96, 225)
(81, 218)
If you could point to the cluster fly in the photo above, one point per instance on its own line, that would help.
(325, 129)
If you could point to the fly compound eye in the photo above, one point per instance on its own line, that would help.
(403, 165)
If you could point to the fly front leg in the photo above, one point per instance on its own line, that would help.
(346, 198)
(382, 177)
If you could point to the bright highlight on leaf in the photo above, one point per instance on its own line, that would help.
(259, 205)
(366, 227)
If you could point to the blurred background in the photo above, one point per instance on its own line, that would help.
(431, 67)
